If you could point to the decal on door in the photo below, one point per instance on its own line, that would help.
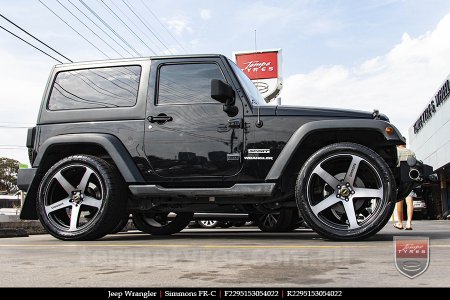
(258, 154)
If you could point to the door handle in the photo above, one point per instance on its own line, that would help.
(222, 128)
(160, 119)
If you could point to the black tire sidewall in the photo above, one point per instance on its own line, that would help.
(121, 224)
(286, 221)
(179, 223)
(387, 180)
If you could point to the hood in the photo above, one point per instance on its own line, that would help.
(285, 110)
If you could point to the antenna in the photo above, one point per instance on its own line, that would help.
(256, 48)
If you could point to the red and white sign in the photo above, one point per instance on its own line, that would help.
(263, 67)
(259, 65)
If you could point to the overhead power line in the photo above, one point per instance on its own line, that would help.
(131, 20)
(34, 37)
(164, 26)
(15, 127)
(109, 27)
(74, 29)
(30, 44)
(142, 21)
(89, 28)
(16, 123)
(11, 146)
(99, 27)
(110, 11)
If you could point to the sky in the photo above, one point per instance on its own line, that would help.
(386, 54)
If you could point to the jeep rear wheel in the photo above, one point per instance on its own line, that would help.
(161, 223)
(346, 191)
(81, 198)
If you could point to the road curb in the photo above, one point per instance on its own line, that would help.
(13, 232)
(29, 227)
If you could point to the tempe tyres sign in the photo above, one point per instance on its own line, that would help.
(263, 68)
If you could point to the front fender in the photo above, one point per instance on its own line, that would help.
(304, 131)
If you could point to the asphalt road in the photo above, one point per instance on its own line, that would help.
(236, 257)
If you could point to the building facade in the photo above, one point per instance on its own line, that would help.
(429, 138)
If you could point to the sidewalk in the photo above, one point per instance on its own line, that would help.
(12, 226)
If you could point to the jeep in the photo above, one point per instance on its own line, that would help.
(183, 134)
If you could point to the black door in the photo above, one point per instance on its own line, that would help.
(187, 132)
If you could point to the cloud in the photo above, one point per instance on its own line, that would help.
(398, 83)
(205, 14)
(179, 25)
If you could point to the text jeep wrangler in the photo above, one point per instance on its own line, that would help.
(164, 137)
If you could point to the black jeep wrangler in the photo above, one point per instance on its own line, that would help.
(164, 137)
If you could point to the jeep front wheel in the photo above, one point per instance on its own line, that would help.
(345, 191)
(81, 198)
(161, 223)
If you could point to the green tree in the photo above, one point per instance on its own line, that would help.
(8, 174)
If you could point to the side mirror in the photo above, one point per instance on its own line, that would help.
(221, 91)
(224, 93)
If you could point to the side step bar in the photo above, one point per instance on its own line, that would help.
(240, 189)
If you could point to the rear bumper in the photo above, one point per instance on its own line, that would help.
(25, 178)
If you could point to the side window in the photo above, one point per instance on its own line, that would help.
(95, 88)
(187, 83)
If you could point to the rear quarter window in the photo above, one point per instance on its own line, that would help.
(95, 88)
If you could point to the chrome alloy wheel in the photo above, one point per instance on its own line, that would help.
(73, 197)
(208, 223)
(345, 202)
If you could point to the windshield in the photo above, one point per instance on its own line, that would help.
(250, 89)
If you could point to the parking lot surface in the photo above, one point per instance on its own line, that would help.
(235, 257)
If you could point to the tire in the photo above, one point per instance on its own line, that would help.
(282, 220)
(120, 225)
(157, 223)
(333, 203)
(238, 223)
(81, 198)
(226, 224)
(446, 215)
(208, 223)
(297, 221)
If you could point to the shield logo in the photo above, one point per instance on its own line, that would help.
(412, 255)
